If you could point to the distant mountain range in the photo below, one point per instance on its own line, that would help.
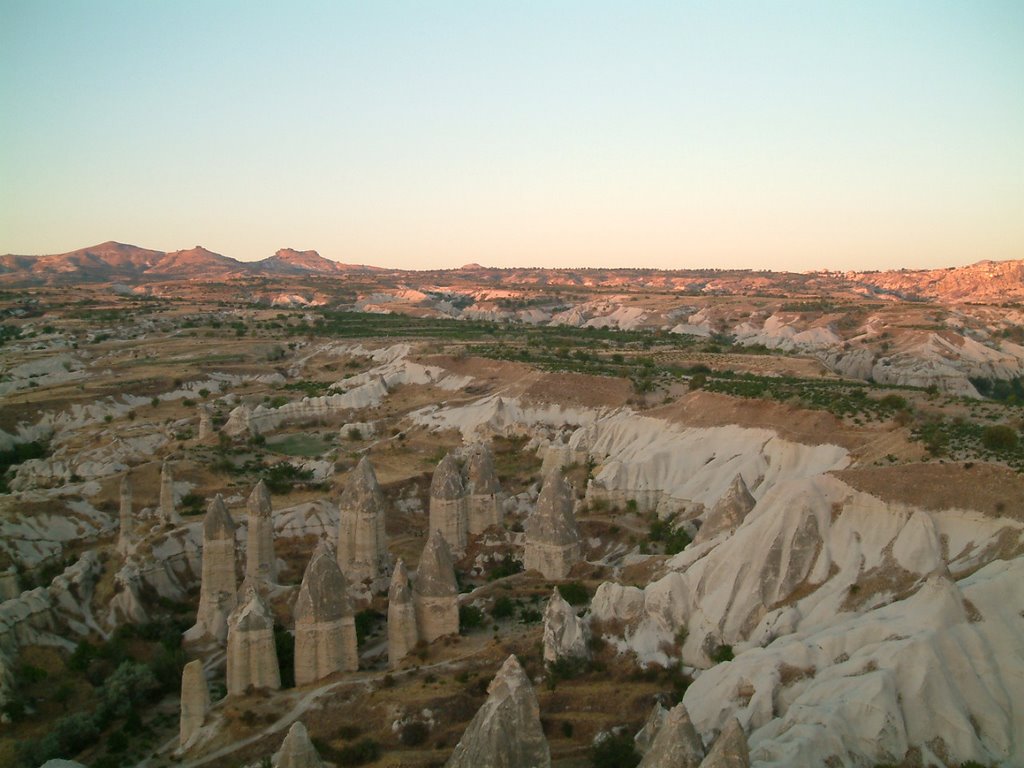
(118, 262)
(985, 281)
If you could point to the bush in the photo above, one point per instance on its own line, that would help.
(470, 617)
(574, 593)
(999, 437)
(722, 653)
(360, 753)
(354, 434)
(615, 751)
(503, 608)
(413, 734)
(366, 620)
(284, 644)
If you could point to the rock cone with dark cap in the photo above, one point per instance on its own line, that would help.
(168, 513)
(402, 632)
(435, 593)
(218, 589)
(483, 491)
(506, 731)
(448, 512)
(252, 653)
(553, 540)
(325, 630)
(362, 542)
(260, 562)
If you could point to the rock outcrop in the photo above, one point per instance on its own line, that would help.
(728, 513)
(435, 593)
(645, 736)
(362, 541)
(195, 701)
(168, 513)
(297, 750)
(566, 636)
(483, 491)
(506, 731)
(676, 743)
(205, 423)
(402, 632)
(448, 510)
(260, 561)
(252, 652)
(553, 540)
(729, 749)
(125, 534)
(325, 630)
(219, 586)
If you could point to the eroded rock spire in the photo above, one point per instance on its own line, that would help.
(483, 491)
(402, 632)
(260, 561)
(251, 653)
(325, 630)
(219, 586)
(362, 541)
(553, 540)
(435, 592)
(448, 510)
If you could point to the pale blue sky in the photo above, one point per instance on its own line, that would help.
(781, 135)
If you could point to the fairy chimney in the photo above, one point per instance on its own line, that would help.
(553, 540)
(251, 653)
(402, 634)
(168, 513)
(125, 537)
(195, 701)
(728, 512)
(448, 504)
(506, 731)
(362, 542)
(675, 743)
(325, 629)
(483, 492)
(218, 588)
(435, 593)
(260, 562)
(297, 750)
(205, 422)
(729, 749)
(565, 634)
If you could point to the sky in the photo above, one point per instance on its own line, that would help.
(784, 135)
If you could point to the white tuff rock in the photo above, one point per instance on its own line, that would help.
(483, 491)
(297, 751)
(168, 512)
(362, 541)
(252, 654)
(565, 634)
(260, 562)
(553, 540)
(325, 630)
(218, 590)
(448, 505)
(676, 743)
(435, 593)
(402, 632)
(506, 731)
(195, 701)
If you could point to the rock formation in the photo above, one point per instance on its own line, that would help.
(483, 491)
(448, 504)
(260, 562)
(205, 422)
(728, 513)
(325, 630)
(218, 589)
(676, 743)
(506, 731)
(553, 540)
(402, 633)
(362, 542)
(168, 513)
(125, 537)
(195, 701)
(645, 736)
(565, 634)
(297, 750)
(729, 749)
(435, 593)
(252, 653)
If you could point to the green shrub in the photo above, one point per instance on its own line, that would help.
(722, 653)
(574, 593)
(503, 608)
(615, 751)
(360, 753)
(470, 617)
(999, 437)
